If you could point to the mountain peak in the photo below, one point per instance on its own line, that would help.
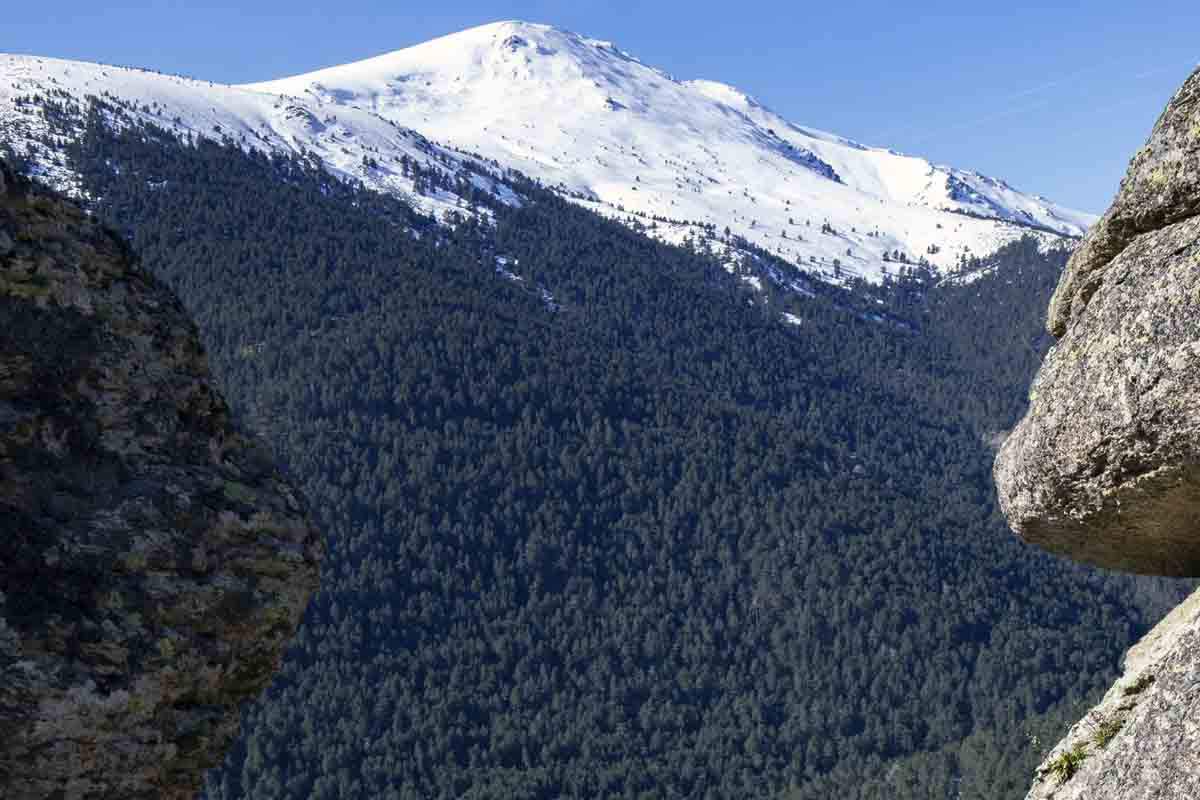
(582, 115)
(681, 158)
(511, 31)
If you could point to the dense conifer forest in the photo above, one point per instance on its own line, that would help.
(615, 530)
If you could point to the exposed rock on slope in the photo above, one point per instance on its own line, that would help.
(1105, 467)
(1161, 188)
(153, 564)
(1141, 742)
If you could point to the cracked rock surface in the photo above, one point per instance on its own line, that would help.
(1105, 467)
(153, 562)
(1142, 742)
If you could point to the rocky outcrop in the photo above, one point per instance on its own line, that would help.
(153, 563)
(1160, 188)
(1105, 467)
(1142, 742)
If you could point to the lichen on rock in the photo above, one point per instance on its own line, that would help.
(1160, 188)
(141, 599)
(1105, 467)
(1141, 741)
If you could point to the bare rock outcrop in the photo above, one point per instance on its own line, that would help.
(153, 563)
(1160, 188)
(1105, 467)
(1142, 742)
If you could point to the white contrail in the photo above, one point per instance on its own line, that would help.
(1040, 104)
(1055, 83)
(1070, 78)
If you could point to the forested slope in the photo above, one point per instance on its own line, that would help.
(614, 530)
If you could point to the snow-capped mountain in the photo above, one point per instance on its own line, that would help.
(350, 142)
(683, 158)
(584, 116)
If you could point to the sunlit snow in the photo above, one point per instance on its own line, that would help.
(582, 115)
(683, 159)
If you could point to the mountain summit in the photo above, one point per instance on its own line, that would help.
(586, 117)
(683, 159)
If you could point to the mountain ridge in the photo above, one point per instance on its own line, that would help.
(621, 127)
(688, 159)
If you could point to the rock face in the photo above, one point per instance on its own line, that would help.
(1142, 742)
(153, 563)
(1160, 188)
(1105, 467)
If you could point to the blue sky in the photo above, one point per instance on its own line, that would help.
(1053, 97)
